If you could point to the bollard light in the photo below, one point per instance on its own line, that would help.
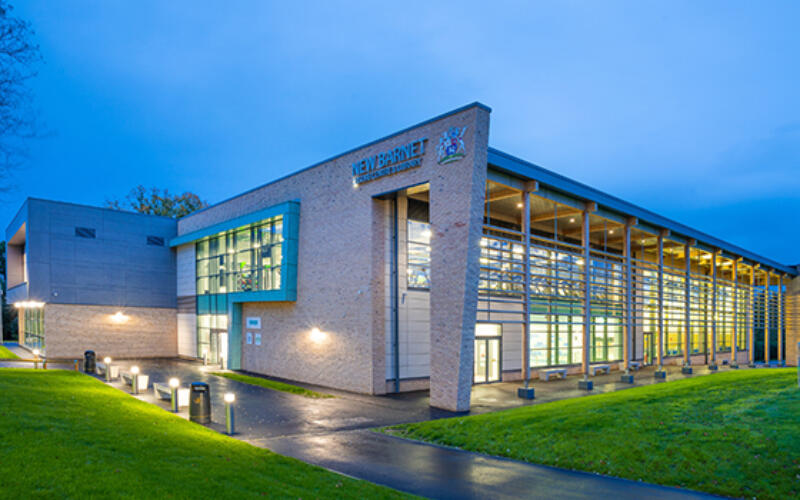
(135, 379)
(205, 357)
(229, 399)
(107, 361)
(173, 385)
(35, 359)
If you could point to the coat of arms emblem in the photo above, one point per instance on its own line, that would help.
(451, 145)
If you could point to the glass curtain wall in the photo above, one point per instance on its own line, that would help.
(246, 259)
(34, 327)
(555, 265)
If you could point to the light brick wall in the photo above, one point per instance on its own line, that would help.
(72, 329)
(341, 266)
(187, 335)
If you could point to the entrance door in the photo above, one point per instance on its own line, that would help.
(487, 360)
(214, 348)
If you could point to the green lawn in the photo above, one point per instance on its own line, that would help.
(734, 433)
(6, 354)
(271, 384)
(67, 435)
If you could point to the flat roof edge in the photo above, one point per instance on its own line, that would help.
(514, 165)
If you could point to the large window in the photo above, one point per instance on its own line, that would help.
(34, 327)
(242, 260)
(419, 245)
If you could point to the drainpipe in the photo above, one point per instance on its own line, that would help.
(395, 285)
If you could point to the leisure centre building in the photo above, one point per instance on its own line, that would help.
(423, 260)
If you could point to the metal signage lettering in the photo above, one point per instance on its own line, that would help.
(389, 162)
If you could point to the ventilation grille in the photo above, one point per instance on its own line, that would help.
(85, 232)
(156, 241)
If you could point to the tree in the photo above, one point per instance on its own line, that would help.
(18, 55)
(157, 202)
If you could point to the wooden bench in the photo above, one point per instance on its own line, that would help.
(144, 380)
(545, 374)
(603, 368)
(163, 391)
(101, 370)
(635, 365)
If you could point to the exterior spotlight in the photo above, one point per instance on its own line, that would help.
(571, 220)
(229, 399)
(317, 335)
(135, 379)
(173, 385)
(118, 317)
(519, 205)
(107, 361)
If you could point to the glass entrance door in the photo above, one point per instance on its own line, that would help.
(487, 360)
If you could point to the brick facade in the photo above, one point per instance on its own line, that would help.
(146, 332)
(341, 265)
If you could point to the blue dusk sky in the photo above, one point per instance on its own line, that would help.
(687, 108)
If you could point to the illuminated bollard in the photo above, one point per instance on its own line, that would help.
(36, 359)
(135, 379)
(107, 361)
(229, 399)
(173, 385)
(205, 357)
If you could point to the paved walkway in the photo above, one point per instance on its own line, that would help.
(334, 433)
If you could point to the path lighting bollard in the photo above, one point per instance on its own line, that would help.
(205, 357)
(135, 379)
(36, 359)
(173, 385)
(229, 399)
(107, 361)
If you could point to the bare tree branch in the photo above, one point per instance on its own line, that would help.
(18, 56)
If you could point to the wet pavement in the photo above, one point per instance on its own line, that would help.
(336, 434)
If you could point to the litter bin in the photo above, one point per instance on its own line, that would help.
(89, 362)
(200, 403)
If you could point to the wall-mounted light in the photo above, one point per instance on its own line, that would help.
(28, 304)
(318, 335)
(118, 317)
(427, 233)
(572, 220)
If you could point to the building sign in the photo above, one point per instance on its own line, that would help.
(451, 145)
(389, 162)
(254, 322)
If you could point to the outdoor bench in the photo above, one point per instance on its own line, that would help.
(163, 391)
(602, 368)
(144, 380)
(545, 374)
(101, 370)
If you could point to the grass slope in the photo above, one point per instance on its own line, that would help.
(6, 354)
(67, 435)
(271, 384)
(732, 433)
